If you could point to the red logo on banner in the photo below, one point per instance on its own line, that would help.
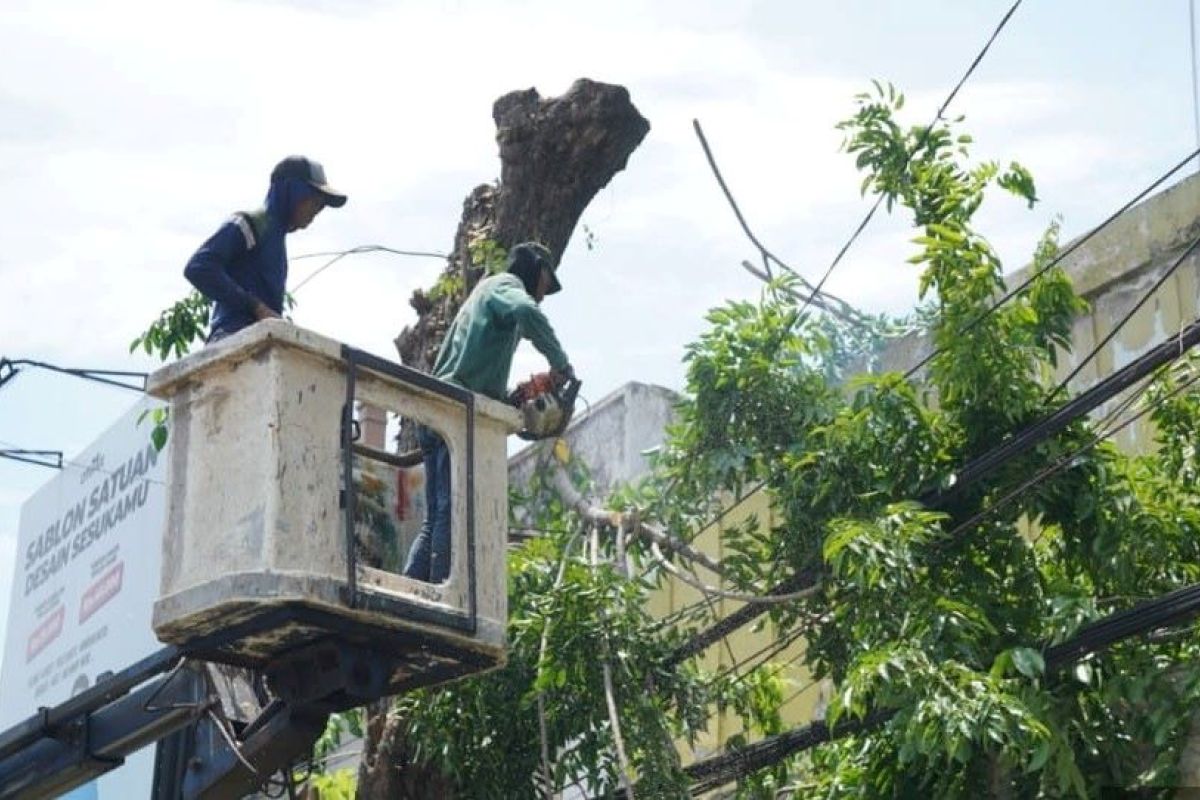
(106, 587)
(45, 633)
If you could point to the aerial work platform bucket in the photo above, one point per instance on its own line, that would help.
(260, 552)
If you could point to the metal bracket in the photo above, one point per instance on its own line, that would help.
(42, 458)
(356, 360)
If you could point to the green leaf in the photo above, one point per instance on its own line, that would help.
(158, 437)
(1028, 662)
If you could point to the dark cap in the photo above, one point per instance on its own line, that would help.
(539, 255)
(312, 173)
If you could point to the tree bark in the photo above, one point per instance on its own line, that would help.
(555, 155)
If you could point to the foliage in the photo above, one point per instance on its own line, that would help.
(485, 732)
(449, 285)
(158, 432)
(177, 330)
(374, 524)
(182, 326)
(945, 630)
(330, 781)
(337, 785)
(488, 254)
(938, 626)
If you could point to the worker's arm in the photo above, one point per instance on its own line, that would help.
(207, 270)
(517, 305)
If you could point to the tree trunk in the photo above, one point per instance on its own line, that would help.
(555, 155)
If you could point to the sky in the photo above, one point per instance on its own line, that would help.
(129, 130)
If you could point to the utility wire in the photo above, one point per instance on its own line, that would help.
(1066, 460)
(975, 470)
(909, 155)
(1128, 315)
(42, 458)
(1195, 84)
(763, 656)
(66, 463)
(363, 248)
(751, 611)
(10, 367)
(1071, 248)
(793, 584)
(1169, 609)
(1082, 404)
(827, 302)
(1147, 616)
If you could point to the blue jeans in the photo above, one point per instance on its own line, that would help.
(429, 558)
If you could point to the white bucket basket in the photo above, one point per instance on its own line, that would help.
(259, 551)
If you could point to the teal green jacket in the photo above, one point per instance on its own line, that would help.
(478, 349)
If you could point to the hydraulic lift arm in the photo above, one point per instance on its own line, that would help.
(79, 740)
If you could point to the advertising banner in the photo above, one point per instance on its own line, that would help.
(87, 574)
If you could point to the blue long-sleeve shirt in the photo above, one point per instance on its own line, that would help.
(245, 261)
(239, 266)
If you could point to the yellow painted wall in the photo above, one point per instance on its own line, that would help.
(801, 692)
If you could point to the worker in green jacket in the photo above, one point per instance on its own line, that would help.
(477, 354)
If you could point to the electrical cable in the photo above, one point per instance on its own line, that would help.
(909, 155)
(747, 613)
(39, 458)
(362, 248)
(1061, 463)
(1083, 403)
(9, 368)
(977, 468)
(828, 302)
(1034, 276)
(763, 656)
(1128, 315)
(1158, 613)
(1147, 616)
(68, 463)
(1071, 248)
(1195, 84)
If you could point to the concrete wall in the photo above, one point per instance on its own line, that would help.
(611, 437)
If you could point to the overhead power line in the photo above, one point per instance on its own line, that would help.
(1071, 248)
(9, 368)
(338, 255)
(1195, 85)
(41, 458)
(908, 156)
(1081, 404)
(748, 613)
(1167, 273)
(976, 469)
(1068, 459)
(1152, 615)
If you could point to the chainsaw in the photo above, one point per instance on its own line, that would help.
(546, 403)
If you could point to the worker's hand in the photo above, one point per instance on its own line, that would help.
(263, 311)
(563, 375)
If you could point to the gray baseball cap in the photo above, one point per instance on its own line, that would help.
(312, 173)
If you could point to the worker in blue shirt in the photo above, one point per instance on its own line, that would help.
(243, 267)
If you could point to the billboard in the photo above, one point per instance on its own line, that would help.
(87, 574)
